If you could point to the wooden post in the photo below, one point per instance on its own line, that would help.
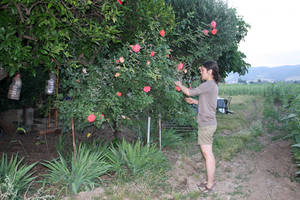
(73, 135)
(49, 117)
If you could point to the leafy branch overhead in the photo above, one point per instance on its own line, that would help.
(118, 60)
(48, 33)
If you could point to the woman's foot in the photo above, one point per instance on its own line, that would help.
(202, 185)
(208, 189)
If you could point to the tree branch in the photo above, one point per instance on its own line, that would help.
(28, 11)
(20, 12)
(29, 37)
(92, 59)
(3, 6)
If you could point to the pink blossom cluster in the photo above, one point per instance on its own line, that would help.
(214, 31)
(92, 117)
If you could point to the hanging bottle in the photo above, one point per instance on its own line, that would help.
(15, 88)
(3, 73)
(50, 84)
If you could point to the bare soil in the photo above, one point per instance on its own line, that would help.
(264, 175)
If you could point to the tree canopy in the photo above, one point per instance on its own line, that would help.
(118, 61)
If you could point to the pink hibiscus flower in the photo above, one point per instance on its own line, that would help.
(147, 89)
(180, 66)
(213, 24)
(205, 32)
(214, 31)
(162, 33)
(91, 118)
(136, 48)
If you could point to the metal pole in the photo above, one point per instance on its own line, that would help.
(159, 129)
(148, 133)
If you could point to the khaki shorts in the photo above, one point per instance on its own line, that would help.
(205, 134)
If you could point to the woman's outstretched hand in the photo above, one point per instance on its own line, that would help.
(178, 83)
(191, 101)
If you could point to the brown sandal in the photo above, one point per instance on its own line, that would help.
(202, 185)
(208, 190)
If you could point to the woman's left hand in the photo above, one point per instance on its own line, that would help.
(177, 83)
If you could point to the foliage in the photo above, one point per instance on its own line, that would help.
(99, 86)
(192, 17)
(80, 174)
(135, 159)
(7, 190)
(170, 139)
(14, 177)
(51, 33)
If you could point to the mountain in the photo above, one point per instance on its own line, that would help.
(280, 73)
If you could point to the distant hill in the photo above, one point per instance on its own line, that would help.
(281, 73)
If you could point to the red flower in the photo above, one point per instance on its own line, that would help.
(214, 31)
(117, 61)
(205, 32)
(101, 116)
(152, 53)
(91, 118)
(213, 24)
(162, 33)
(136, 48)
(120, 2)
(119, 94)
(147, 89)
(178, 88)
(180, 66)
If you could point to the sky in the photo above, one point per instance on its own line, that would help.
(274, 36)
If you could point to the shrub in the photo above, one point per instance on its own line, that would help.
(135, 159)
(169, 138)
(78, 175)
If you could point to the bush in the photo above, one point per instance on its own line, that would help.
(169, 138)
(78, 175)
(14, 177)
(134, 159)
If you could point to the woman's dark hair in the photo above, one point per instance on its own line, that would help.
(215, 69)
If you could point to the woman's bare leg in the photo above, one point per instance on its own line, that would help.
(210, 163)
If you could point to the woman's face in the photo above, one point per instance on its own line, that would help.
(205, 75)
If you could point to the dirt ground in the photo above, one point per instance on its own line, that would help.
(263, 175)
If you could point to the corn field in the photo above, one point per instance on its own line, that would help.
(271, 89)
(287, 95)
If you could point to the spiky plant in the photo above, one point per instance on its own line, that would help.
(80, 174)
(135, 158)
(14, 176)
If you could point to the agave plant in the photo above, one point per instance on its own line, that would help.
(17, 175)
(134, 158)
(170, 138)
(80, 174)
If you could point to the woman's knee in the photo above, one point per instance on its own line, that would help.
(207, 151)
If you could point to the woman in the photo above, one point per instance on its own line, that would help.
(206, 118)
